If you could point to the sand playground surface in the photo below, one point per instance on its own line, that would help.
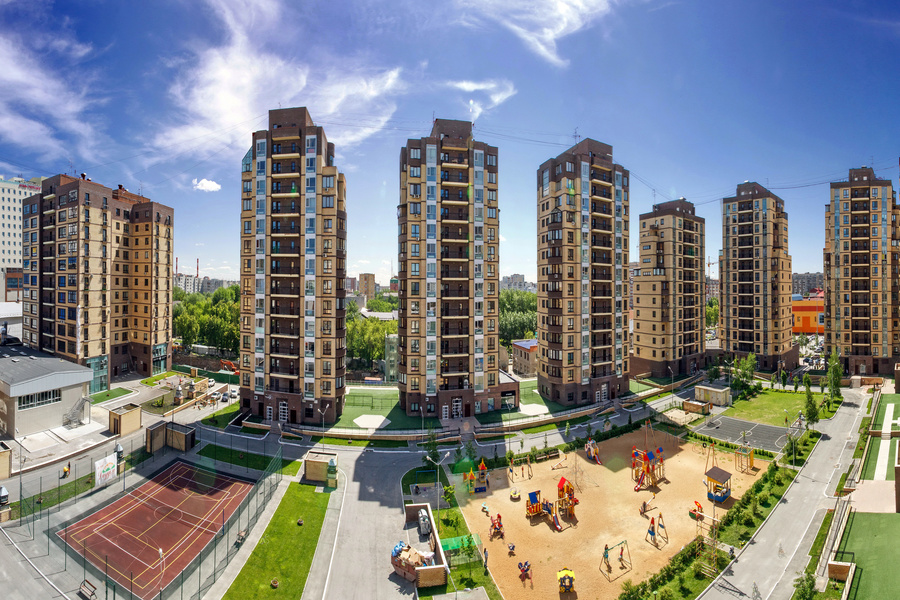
(608, 512)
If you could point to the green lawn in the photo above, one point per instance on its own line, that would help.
(384, 402)
(877, 447)
(254, 431)
(872, 537)
(768, 407)
(667, 380)
(222, 417)
(426, 478)
(739, 531)
(157, 378)
(285, 551)
(637, 387)
(882, 408)
(332, 441)
(863, 437)
(804, 447)
(161, 405)
(819, 542)
(109, 395)
(53, 495)
(250, 460)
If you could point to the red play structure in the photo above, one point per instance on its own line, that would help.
(647, 465)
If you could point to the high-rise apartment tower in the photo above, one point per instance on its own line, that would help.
(755, 268)
(293, 273)
(582, 198)
(861, 291)
(98, 277)
(670, 292)
(448, 252)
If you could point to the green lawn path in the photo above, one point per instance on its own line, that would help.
(222, 417)
(868, 470)
(882, 408)
(768, 407)
(249, 459)
(285, 551)
(872, 537)
(109, 395)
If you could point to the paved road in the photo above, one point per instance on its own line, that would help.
(729, 429)
(778, 552)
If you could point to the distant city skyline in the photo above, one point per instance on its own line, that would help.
(167, 110)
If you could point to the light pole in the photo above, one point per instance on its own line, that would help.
(437, 467)
(793, 443)
(21, 465)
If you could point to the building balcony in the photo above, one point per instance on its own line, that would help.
(454, 331)
(458, 273)
(447, 311)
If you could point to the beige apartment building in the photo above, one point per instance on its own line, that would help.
(755, 273)
(860, 257)
(582, 198)
(293, 273)
(449, 284)
(367, 286)
(670, 292)
(97, 270)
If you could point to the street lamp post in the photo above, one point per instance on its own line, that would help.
(437, 466)
(21, 465)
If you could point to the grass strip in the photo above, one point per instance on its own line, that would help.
(333, 441)
(109, 395)
(249, 460)
(285, 551)
(222, 417)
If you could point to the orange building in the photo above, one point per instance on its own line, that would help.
(809, 314)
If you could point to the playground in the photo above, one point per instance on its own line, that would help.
(560, 514)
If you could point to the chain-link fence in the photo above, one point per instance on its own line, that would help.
(42, 532)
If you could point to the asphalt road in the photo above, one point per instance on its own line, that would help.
(778, 551)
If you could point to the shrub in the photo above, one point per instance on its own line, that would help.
(764, 498)
(666, 594)
(748, 520)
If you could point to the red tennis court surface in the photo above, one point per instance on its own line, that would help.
(152, 533)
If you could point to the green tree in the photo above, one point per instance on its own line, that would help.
(712, 312)
(805, 586)
(469, 549)
(351, 311)
(811, 409)
(713, 373)
(807, 380)
(377, 304)
(835, 373)
(431, 456)
(802, 340)
(784, 379)
(178, 294)
(471, 451)
(518, 315)
(188, 327)
(568, 430)
(796, 381)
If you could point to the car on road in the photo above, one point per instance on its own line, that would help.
(215, 396)
(234, 394)
(211, 382)
(424, 522)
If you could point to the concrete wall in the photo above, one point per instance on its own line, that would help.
(430, 575)
(719, 397)
(315, 467)
(41, 418)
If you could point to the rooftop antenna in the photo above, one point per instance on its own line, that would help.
(576, 137)
(72, 167)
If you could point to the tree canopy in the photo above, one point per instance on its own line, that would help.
(518, 315)
(209, 319)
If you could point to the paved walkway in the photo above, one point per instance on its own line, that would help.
(778, 551)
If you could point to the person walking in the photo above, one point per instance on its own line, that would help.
(605, 555)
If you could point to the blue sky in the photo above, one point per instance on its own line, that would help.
(694, 97)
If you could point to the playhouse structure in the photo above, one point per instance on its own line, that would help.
(647, 465)
(535, 507)
(496, 526)
(718, 480)
(566, 579)
(593, 453)
(567, 500)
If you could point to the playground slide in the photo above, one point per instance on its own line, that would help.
(597, 459)
(640, 482)
(556, 522)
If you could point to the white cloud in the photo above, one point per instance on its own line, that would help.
(538, 23)
(199, 244)
(502, 239)
(233, 83)
(44, 109)
(497, 91)
(206, 185)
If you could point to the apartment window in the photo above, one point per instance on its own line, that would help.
(492, 160)
(415, 171)
(415, 153)
(327, 201)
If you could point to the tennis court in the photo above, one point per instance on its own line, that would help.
(148, 536)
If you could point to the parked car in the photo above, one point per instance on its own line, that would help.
(211, 382)
(215, 396)
(234, 394)
(424, 522)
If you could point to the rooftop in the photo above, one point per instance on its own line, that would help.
(526, 344)
(26, 371)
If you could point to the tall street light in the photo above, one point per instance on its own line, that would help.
(672, 386)
(437, 467)
(322, 412)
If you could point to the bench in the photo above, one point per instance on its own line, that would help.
(88, 590)
(241, 536)
(552, 454)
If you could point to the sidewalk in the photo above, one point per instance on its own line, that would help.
(778, 551)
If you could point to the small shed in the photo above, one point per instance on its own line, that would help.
(125, 419)
(713, 393)
(718, 484)
(315, 466)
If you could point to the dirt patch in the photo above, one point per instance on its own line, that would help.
(607, 513)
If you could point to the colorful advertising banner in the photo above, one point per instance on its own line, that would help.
(105, 470)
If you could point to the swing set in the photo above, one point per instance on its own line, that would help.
(625, 564)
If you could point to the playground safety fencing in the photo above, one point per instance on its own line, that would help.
(562, 415)
(42, 534)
